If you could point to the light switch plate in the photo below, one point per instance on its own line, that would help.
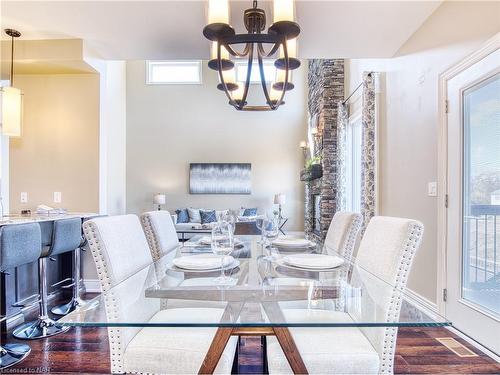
(432, 189)
(24, 197)
(57, 197)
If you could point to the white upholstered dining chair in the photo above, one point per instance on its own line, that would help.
(343, 233)
(120, 251)
(160, 233)
(387, 251)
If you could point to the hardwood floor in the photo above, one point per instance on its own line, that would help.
(85, 350)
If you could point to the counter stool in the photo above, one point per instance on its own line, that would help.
(19, 244)
(66, 236)
(75, 301)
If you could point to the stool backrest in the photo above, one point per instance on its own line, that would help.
(160, 233)
(19, 244)
(66, 235)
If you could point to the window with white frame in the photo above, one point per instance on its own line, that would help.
(242, 69)
(353, 164)
(173, 72)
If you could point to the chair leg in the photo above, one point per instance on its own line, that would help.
(12, 354)
(43, 326)
(75, 301)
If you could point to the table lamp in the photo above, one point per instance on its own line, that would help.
(159, 199)
(280, 200)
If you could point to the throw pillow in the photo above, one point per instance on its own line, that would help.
(194, 215)
(250, 212)
(208, 216)
(182, 216)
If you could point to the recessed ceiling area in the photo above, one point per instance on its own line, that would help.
(128, 30)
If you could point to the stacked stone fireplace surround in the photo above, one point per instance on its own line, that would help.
(326, 90)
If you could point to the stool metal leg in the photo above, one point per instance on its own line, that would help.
(12, 354)
(75, 301)
(43, 326)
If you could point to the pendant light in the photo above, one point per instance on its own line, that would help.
(12, 98)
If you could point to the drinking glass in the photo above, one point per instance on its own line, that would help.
(223, 245)
(259, 222)
(270, 231)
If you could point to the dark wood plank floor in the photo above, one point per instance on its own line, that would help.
(85, 350)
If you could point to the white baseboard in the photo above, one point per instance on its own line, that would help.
(92, 285)
(424, 302)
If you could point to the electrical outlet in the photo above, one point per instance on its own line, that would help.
(57, 197)
(432, 189)
(24, 197)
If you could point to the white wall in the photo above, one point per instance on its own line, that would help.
(409, 126)
(170, 126)
(58, 150)
(112, 147)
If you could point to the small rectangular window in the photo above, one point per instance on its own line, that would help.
(242, 68)
(173, 72)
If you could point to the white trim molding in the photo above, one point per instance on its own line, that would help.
(442, 222)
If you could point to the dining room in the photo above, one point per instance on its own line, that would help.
(250, 187)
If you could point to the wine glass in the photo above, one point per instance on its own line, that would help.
(271, 231)
(259, 222)
(222, 244)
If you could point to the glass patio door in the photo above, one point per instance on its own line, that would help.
(473, 238)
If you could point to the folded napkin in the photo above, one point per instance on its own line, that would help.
(202, 261)
(291, 242)
(313, 261)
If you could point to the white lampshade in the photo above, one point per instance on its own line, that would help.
(279, 199)
(12, 111)
(283, 10)
(159, 198)
(218, 11)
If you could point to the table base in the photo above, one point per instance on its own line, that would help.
(223, 334)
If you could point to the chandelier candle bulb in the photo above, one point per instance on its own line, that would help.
(283, 10)
(218, 11)
(238, 93)
(274, 95)
(291, 46)
(224, 54)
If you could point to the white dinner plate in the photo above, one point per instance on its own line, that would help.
(206, 240)
(294, 243)
(313, 261)
(202, 262)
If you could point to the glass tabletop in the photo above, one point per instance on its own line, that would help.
(265, 287)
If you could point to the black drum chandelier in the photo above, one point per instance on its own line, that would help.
(280, 40)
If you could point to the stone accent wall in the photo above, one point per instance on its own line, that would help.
(326, 89)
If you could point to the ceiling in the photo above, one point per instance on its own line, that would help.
(128, 30)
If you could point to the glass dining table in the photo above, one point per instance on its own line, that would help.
(261, 296)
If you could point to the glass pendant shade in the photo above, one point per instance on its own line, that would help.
(283, 10)
(218, 11)
(12, 111)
